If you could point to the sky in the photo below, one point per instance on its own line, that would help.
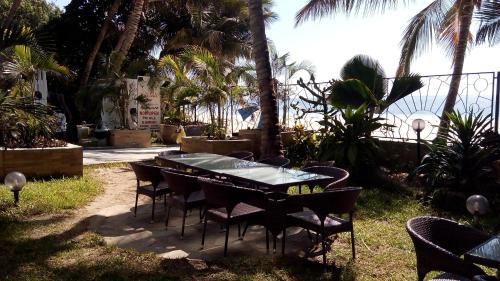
(330, 42)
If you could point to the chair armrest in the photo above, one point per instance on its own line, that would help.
(484, 278)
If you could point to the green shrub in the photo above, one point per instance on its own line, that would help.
(460, 160)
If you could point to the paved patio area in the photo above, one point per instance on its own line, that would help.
(111, 215)
(113, 155)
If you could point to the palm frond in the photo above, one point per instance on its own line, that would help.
(315, 9)
(489, 27)
(421, 33)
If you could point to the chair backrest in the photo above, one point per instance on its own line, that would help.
(447, 234)
(338, 201)
(145, 171)
(180, 182)
(339, 175)
(279, 161)
(219, 194)
(439, 243)
(243, 155)
(171, 152)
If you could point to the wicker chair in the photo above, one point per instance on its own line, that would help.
(439, 243)
(279, 161)
(340, 177)
(243, 155)
(147, 172)
(186, 194)
(228, 205)
(316, 217)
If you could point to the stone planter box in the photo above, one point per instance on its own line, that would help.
(223, 147)
(43, 162)
(130, 138)
(194, 130)
(168, 133)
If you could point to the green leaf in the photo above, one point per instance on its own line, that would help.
(351, 92)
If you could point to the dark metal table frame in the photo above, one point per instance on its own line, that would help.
(274, 187)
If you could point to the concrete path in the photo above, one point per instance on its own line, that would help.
(111, 155)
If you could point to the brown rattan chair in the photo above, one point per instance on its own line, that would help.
(439, 243)
(340, 177)
(186, 193)
(147, 172)
(243, 155)
(316, 210)
(279, 161)
(228, 205)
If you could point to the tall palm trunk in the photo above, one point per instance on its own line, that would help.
(12, 12)
(465, 18)
(271, 140)
(128, 35)
(97, 46)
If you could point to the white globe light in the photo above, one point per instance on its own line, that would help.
(15, 181)
(477, 205)
(418, 125)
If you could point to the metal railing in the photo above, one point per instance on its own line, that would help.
(478, 92)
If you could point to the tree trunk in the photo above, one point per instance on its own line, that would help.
(271, 140)
(465, 17)
(12, 12)
(128, 35)
(100, 38)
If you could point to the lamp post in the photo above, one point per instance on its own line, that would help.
(477, 205)
(418, 126)
(15, 181)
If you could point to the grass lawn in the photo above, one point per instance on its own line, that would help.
(37, 244)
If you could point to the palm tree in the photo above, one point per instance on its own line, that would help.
(447, 22)
(282, 68)
(271, 139)
(100, 38)
(12, 12)
(127, 38)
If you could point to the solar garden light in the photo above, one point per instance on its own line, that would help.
(477, 205)
(15, 181)
(418, 126)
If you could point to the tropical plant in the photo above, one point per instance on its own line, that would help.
(363, 82)
(32, 14)
(461, 159)
(303, 147)
(445, 22)
(350, 143)
(22, 65)
(271, 141)
(26, 123)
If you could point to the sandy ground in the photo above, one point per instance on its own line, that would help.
(111, 215)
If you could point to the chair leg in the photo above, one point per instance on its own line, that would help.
(227, 238)
(168, 216)
(183, 222)
(267, 240)
(274, 244)
(353, 248)
(300, 189)
(165, 200)
(153, 210)
(245, 230)
(239, 230)
(136, 199)
(323, 248)
(283, 242)
(203, 235)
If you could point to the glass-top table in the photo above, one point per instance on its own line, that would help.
(246, 171)
(487, 253)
